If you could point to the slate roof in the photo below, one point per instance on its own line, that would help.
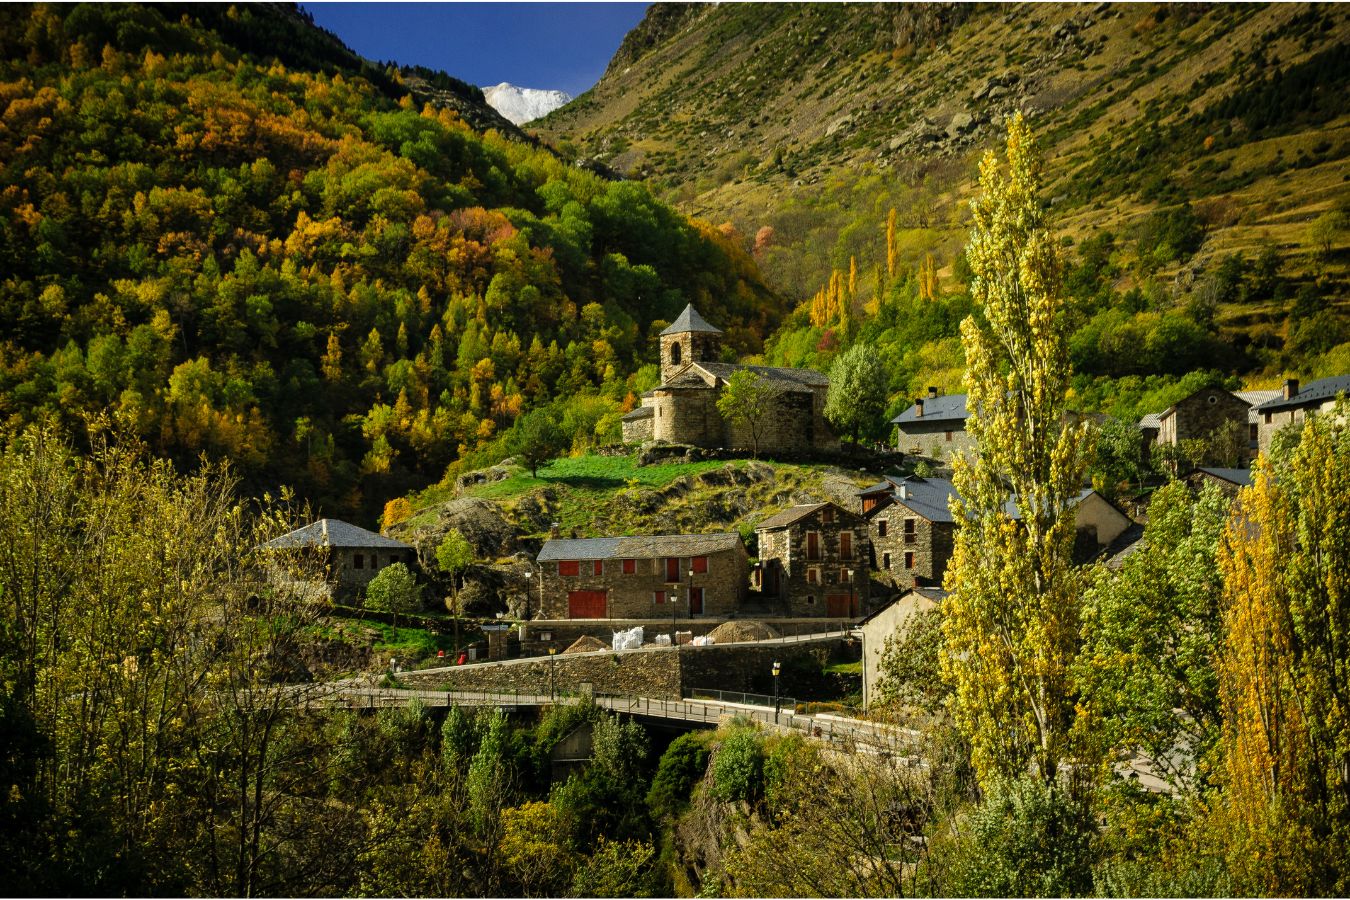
(936, 594)
(1129, 542)
(785, 377)
(789, 516)
(929, 497)
(642, 412)
(334, 533)
(946, 408)
(690, 320)
(1256, 398)
(1151, 420)
(642, 546)
(1314, 392)
(1241, 477)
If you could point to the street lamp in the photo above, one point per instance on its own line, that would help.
(552, 652)
(527, 594)
(777, 667)
(672, 600)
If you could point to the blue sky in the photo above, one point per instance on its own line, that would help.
(561, 46)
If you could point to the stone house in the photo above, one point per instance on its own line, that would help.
(814, 561)
(1230, 481)
(1293, 405)
(890, 620)
(351, 556)
(912, 529)
(1211, 414)
(935, 426)
(683, 408)
(643, 577)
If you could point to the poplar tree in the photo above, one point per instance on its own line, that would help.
(1011, 621)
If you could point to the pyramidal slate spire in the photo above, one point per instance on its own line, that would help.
(690, 320)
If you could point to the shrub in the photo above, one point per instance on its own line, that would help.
(681, 766)
(738, 767)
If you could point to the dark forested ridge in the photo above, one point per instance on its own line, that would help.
(237, 237)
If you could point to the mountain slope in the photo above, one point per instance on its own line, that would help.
(815, 119)
(292, 266)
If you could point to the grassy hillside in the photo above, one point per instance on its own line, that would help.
(803, 125)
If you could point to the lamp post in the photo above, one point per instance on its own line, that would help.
(777, 667)
(671, 599)
(527, 595)
(552, 652)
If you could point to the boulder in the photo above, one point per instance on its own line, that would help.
(959, 124)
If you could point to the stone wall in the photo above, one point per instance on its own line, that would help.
(937, 440)
(797, 424)
(694, 346)
(688, 416)
(803, 584)
(633, 596)
(538, 636)
(657, 672)
(932, 547)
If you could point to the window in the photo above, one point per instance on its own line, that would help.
(675, 353)
(630, 567)
(810, 599)
(909, 559)
(949, 437)
(886, 561)
(911, 531)
(700, 565)
(845, 576)
(1252, 431)
(813, 575)
(882, 527)
(845, 545)
(599, 568)
(813, 545)
(658, 597)
(359, 561)
(569, 567)
(1213, 399)
(1267, 418)
(827, 515)
(672, 569)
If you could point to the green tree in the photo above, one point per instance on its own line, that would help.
(537, 438)
(394, 590)
(749, 401)
(1011, 620)
(857, 398)
(454, 555)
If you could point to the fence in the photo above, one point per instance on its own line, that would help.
(737, 697)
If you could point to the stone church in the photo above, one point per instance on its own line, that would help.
(683, 409)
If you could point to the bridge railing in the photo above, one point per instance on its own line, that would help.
(787, 704)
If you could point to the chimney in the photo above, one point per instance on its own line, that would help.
(555, 530)
(918, 408)
(1290, 388)
(323, 526)
(902, 491)
(932, 392)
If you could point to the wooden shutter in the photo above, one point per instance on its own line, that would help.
(586, 604)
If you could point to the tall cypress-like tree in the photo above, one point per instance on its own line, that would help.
(1011, 623)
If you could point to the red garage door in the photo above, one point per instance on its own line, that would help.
(586, 604)
(838, 606)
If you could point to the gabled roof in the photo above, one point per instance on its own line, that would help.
(790, 516)
(640, 546)
(1316, 392)
(936, 594)
(334, 533)
(642, 412)
(948, 407)
(1240, 477)
(884, 486)
(930, 497)
(1151, 420)
(690, 320)
(783, 377)
(1255, 399)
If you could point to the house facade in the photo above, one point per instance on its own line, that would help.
(643, 577)
(351, 556)
(1293, 404)
(1214, 415)
(935, 426)
(814, 560)
(683, 408)
(892, 619)
(912, 529)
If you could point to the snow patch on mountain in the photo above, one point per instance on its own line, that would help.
(522, 105)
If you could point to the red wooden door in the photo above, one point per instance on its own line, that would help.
(837, 606)
(696, 601)
(586, 604)
(672, 569)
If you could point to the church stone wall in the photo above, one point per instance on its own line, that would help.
(688, 416)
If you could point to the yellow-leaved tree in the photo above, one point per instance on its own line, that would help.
(1284, 676)
(1011, 621)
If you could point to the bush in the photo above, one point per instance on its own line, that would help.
(1023, 841)
(681, 766)
(738, 767)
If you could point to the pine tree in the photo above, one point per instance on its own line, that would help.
(1011, 621)
(891, 250)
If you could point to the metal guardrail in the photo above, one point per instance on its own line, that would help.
(738, 697)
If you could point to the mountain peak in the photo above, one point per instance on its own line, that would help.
(521, 104)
